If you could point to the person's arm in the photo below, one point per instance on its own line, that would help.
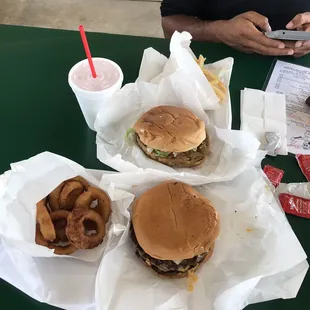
(241, 32)
(182, 15)
(200, 30)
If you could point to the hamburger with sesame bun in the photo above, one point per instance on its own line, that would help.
(173, 229)
(173, 136)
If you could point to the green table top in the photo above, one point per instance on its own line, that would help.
(39, 111)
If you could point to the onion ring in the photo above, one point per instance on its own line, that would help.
(76, 231)
(45, 222)
(104, 202)
(60, 229)
(84, 200)
(69, 194)
(53, 197)
(58, 249)
(82, 181)
(39, 237)
(59, 219)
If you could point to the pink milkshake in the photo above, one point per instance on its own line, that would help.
(107, 75)
(93, 93)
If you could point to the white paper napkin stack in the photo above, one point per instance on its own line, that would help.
(263, 112)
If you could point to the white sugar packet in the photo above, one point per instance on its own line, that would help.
(250, 262)
(263, 112)
(63, 281)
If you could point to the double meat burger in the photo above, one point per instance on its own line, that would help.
(173, 136)
(174, 228)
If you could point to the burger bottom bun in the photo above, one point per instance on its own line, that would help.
(183, 160)
(184, 274)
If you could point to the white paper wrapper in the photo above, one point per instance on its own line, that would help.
(156, 69)
(231, 152)
(66, 282)
(61, 282)
(250, 262)
(183, 59)
(170, 82)
(222, 117)
(27, 183)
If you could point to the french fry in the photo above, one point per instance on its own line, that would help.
(201, 61)
(214, 82)
(218, 87)
(209, 74)
(218, 82)
(222, 87)
(219, 93)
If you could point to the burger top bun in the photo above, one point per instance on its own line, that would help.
(170, 129)
(172, 221)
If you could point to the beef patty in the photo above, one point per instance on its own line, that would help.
(167, 267)
(187, 159)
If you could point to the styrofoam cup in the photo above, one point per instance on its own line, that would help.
(91, 101)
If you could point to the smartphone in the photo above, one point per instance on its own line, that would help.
(290, 35)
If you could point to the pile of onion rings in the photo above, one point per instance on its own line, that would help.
(72, 217)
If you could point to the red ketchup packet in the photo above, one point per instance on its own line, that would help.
(304, 164)
(274, 174)
(295, 205)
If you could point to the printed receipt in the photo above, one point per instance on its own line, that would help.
(294, 82)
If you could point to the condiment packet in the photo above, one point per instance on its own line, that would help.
(295, 205)
(304, 164)
(274, 175)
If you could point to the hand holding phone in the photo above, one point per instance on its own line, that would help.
(300, 22)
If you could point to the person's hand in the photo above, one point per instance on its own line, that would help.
(300, 22)
(242, 33)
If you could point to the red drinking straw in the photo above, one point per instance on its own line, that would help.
(87, 51)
